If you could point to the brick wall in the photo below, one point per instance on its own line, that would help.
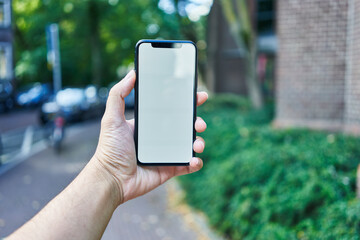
(352, 114)
(315, 86)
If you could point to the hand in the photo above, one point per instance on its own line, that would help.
(116, 149)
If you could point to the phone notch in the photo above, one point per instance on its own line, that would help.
(166, 45)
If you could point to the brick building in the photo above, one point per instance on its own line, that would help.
(6, 56)
(318, 75)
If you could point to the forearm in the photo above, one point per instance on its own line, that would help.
(81, 211)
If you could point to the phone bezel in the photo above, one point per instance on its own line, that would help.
(162, 44)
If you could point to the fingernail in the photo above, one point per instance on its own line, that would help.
(202, 144)
(194, 162)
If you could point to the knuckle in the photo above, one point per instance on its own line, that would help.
(103, 121)
(106, 120)
(113, 91)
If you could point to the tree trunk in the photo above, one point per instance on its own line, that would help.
(96, 60)
(244, 35)
(252, 83)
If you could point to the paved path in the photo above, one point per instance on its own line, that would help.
(148, 217)
(26, 188)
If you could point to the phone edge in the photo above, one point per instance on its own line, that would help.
(136, 60)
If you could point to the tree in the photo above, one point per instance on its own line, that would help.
(97, 37)
(237, 15)
(94, 12)
(193, 31)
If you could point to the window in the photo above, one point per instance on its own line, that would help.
(265, 16)
(5, 61)
(5, 13)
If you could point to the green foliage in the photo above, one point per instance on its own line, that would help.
(113, 27)
(262, 183)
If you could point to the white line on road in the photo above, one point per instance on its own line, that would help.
(27, 142)
(28, 148)
(20, 157)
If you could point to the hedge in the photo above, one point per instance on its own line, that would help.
(262, 183)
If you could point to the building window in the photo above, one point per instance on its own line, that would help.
(5, 61)
(5, 13)
(266, 16)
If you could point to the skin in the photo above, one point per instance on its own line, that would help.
(112, 177)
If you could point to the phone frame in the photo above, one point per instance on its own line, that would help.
(162, 44)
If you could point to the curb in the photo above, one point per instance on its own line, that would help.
(194, 219)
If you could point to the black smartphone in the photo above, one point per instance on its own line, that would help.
(165, 101)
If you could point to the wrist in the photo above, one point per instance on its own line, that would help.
(111, 184)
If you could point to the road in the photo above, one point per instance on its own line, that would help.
(18, 119)
(31, 184)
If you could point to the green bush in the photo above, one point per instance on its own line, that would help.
(262, 183)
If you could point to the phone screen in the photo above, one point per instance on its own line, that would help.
(166, 89)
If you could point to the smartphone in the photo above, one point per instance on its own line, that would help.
(165, 101)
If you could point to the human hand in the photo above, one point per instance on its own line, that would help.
(116, 148)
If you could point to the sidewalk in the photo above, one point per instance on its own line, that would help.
(148, 217)
(158, 215)
(27, 188)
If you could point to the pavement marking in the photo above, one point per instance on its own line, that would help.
(28, 137)
(23, 138)
(28, 147)
(20, 157)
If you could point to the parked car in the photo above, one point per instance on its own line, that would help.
(75, 104)
(96, 102)
(33, 95)
(6, 95)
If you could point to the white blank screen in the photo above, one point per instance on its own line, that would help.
(165, 103)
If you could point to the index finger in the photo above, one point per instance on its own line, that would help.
(201, 98)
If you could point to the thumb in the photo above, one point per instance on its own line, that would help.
(115, 105)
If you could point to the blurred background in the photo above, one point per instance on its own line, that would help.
(283, 115)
